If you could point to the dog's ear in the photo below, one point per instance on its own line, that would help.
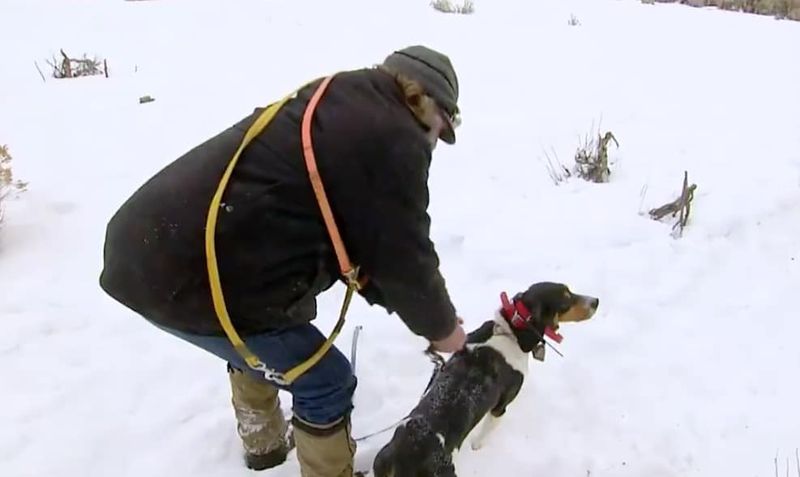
(483, 334)
(527, 339)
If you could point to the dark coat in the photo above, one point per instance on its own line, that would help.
(273, 250)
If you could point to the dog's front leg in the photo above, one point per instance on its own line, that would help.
(493, 417)
(487, 427)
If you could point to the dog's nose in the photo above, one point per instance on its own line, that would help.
(594, 303)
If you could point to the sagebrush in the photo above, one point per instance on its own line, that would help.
(591, 157)
(446, 6)
(8, 185)
(67, 67)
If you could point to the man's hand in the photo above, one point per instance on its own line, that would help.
(454, 342)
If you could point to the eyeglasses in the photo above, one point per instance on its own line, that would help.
(454, 119)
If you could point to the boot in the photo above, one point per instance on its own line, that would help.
(324, 452)
(260, 422)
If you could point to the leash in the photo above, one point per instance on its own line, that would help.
(438, 362)
(348, 271)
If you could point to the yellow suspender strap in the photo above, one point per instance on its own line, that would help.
(349, 272)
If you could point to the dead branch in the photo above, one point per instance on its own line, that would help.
(66, 65)
(681, 206)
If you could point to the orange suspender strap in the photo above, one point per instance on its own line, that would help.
(349, 272)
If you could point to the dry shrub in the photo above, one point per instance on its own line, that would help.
(67, 67)
(788, 9)
(446, 6)
(591, 157)
(8, 186)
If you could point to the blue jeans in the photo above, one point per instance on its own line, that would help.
(321, 396)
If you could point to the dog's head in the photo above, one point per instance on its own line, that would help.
(550, 304)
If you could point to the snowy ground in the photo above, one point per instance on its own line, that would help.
(689, 368)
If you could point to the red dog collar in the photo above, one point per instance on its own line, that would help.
(519, 316)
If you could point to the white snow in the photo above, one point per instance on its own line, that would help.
(690, 367)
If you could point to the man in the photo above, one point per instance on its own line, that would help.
(374, 130)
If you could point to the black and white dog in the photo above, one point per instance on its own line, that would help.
(479, 381)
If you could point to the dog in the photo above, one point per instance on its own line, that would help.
(479, 381)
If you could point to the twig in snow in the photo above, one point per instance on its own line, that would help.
(642, 195)
(797, 461)
(776, 463)
(557, 171)
(40, 71)
(680, 206)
